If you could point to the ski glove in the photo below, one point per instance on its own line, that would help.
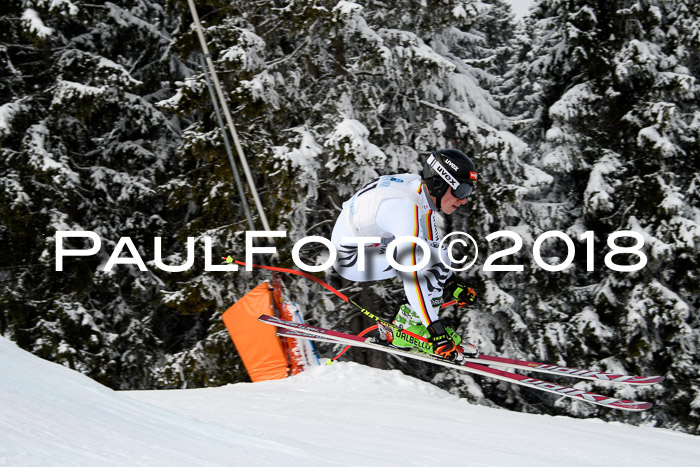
(443, 345)
(461, 293)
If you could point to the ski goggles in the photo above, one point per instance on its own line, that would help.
(460, 190)
(463, 190)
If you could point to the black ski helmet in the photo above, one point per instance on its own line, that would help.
(449, 168)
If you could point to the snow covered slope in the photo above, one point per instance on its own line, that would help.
(345, 414)
(53, 416)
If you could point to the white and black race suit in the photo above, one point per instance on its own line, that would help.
(390, 207)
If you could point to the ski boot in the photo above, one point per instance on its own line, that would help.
(446, 344)
(409, 321)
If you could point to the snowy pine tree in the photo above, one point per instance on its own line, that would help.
(326, 96)
(612, 118)
(84, 148)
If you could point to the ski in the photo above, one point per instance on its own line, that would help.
(490, 360)
(305, 331)
(526, 365)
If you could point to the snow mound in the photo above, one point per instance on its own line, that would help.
(345, 414)
(51, 415)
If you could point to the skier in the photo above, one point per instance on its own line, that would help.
(395, 206)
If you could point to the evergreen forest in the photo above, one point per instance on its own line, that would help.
(582, 118)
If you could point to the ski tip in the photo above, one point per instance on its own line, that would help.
(633, 406)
